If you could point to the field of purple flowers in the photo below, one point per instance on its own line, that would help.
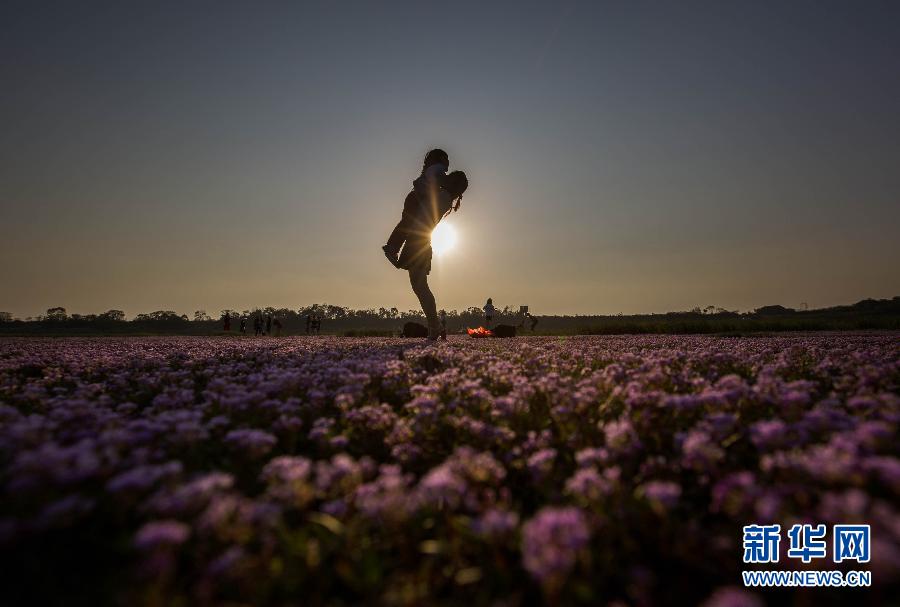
(296, 471)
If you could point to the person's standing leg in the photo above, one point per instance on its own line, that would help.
(419, 281)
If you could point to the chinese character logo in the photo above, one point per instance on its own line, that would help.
(851, 543)
(807, 542)
(761, 543)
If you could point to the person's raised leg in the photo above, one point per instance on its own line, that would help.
(419, 282)
(396, 239)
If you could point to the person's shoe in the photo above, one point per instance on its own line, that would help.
(391, 257)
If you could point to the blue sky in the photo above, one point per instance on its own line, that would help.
(623, 157)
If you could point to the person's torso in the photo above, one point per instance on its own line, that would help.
(432, 211)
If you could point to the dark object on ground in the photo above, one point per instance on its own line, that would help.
(504, 331)
(414, 329)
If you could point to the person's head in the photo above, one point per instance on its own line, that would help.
(436, 156)
(456, 183)
(490, 302)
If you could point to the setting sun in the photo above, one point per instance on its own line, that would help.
(443, 238)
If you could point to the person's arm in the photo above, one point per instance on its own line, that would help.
(428, 182)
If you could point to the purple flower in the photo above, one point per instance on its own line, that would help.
(442, 487)
(157, 534)
(385, 498)
(251, 442)
(620, 436)
(591, 455)
(551, 542)
(444, 442)
(286, 469)
(541, 463)
(663, 495)
(699, 451)
(495, 523)
(587, 484)
(143, 478)
(768, 434)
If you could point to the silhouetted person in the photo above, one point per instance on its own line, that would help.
(425, 187)
(243, 325)
(277, 324)
(228, 322)
(308, 323)
(416, 254)
(526, 316)
(268, 324)
(257, 325)
(442, 317)
(489, 313)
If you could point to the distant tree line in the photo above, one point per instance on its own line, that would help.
(867, 314)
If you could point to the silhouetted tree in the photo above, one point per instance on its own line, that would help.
(201, 316)
(113, 315)
(161, 315)
(56, 313)
(774, 310)
(6, 317)
(335, 312)
(83, 317)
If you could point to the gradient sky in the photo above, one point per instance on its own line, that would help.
(623, 156)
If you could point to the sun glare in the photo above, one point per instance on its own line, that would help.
(443, 238)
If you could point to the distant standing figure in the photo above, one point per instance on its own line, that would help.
(489, 312)
(257, 325)
(526, 315)
(442, 317)
(268, 324)
(277, 324)
(308, 323)
(227, 322)
(244, 326)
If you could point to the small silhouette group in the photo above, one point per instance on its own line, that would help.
(262, 324)
(259, 324)
(313, 324)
